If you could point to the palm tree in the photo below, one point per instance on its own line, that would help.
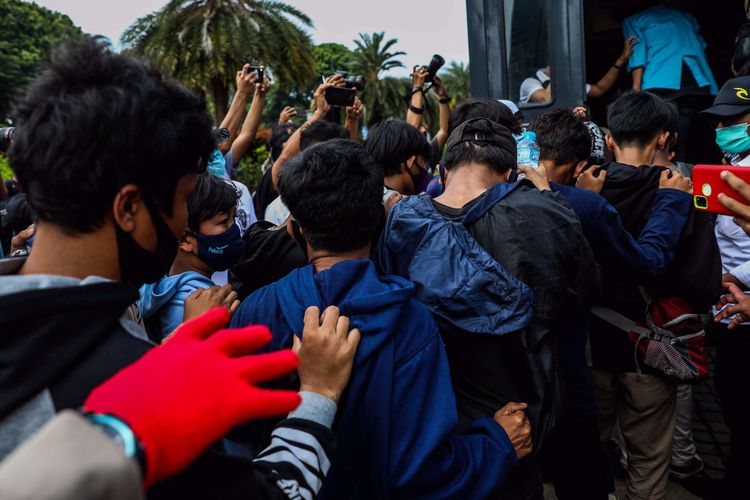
(456, 78)
(372, 57)
(202, 43)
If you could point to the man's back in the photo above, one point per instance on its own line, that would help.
(536, 239)
(694, 273)
(397, 421)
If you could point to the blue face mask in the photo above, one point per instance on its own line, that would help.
(216, 164)
(221, 251)
(733, 139)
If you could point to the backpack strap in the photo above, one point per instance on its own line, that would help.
(625, 324)
(618, 320)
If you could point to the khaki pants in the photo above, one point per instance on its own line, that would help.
(644, 406)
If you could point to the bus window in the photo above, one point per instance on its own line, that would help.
(527, 51)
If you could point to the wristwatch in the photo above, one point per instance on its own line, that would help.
(121, 434)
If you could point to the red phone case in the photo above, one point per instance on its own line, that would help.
(707, 185)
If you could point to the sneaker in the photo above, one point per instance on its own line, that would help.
(692, 468)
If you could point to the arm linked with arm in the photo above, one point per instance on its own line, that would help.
(651, 254)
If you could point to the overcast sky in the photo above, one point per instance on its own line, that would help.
(422, 27)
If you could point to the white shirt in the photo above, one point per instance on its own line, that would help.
(276, 212)
(734, 247)
(245, 215)
(532, 84)
(734, 243)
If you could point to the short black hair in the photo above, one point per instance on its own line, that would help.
(490, 155)
(95, 121)
(211, 197)
(334, 191)
(673, 120)
(392, 142)
(280, 133)
(321, 131)
(636, 118)
(561, 137)
(491, 109)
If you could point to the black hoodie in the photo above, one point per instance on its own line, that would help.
(694, 273)
(69, 339)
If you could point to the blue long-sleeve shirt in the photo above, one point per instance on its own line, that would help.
(668, 38)
(651, 253)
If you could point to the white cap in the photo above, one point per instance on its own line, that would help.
(510, 105)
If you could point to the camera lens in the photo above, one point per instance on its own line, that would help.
(700, 202)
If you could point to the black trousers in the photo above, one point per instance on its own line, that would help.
(732, 381)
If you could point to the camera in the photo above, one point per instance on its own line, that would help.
(352, 82)
(6, 138)
(432, 68)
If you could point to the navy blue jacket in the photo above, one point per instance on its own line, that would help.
(649, 255)
(397, 421)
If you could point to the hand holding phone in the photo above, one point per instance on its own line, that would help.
(708, 184)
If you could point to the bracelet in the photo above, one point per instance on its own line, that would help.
(122, 435)
(617, 67)
(417, 89)
(416, 110)
(444, 100)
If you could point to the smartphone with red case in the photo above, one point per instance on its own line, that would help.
(707, 185)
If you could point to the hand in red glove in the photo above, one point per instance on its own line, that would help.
(188, 392)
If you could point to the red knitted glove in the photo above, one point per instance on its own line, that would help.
(185, 394)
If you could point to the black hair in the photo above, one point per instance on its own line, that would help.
(280, 133)
(484, 153)
(392, 142)
(561, 137)
(321, 131)
(636, 118)
(483, 108)
(334, 191)
(673, 119)
(95, 121)
(211, 197)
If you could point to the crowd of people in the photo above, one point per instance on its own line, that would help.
(395, 316)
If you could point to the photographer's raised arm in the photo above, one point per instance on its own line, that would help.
(245, 84)
(416, 103)
(321, 108)
(438, 87)
(252, 122)
(353, 117)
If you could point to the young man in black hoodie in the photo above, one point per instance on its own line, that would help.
(107, 153)
(644, 403)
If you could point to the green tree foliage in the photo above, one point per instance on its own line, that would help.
(456, 79)
(329, 58)
(202, 43)
(27, 32)
(372, 57)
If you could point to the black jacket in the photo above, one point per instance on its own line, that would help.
(70, 340)
(694, 273)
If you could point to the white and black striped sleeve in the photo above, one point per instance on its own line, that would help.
(298, 457)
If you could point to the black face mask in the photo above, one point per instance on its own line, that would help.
(139, 266)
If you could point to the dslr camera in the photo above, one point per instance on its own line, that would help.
(432, 68)
(6, 138)
(352, 82)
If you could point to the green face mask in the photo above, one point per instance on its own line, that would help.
(733, 139)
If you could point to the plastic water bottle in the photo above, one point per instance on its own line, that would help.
(527, 150)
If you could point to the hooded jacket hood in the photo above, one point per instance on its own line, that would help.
(359, 292)
(45, 330)
(155, 295)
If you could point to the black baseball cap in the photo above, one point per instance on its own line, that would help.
(733, 99)
(482, 130)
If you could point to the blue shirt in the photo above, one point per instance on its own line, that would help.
(668, 38)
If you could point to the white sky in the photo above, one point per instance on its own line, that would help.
(422, 27)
